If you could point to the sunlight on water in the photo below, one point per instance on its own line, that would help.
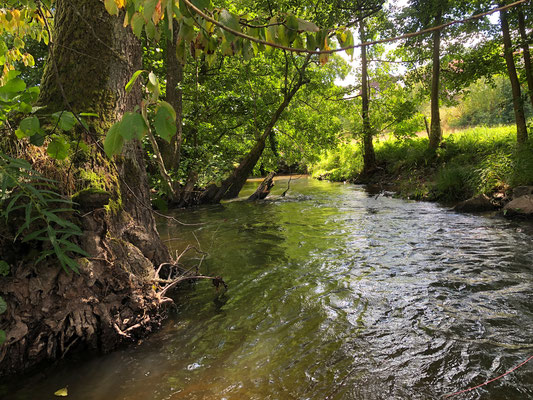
(332, 294)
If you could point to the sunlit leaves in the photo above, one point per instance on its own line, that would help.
(61, 392)
(65, 120)
(133, 79)
(28, 127)
(132, 126)
(58, 148)
(165, 121)
(137, 24)
(113, 141)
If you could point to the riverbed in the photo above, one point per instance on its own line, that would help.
(333, 294)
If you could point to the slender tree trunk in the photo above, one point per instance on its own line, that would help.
(174, 96)
(92, 58)
(518, 103)
(435, 135)
(232, 185)
(369, 157)
(527, 54)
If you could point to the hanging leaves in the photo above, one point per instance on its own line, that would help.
(111, 7)
(165, 121)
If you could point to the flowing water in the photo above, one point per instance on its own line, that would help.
(333, 294)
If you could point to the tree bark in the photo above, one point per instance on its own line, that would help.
(518, 103)
(174, 96)
(263, 190)
(527, 54)
(369, 157)
(435, 135)
(92, 57)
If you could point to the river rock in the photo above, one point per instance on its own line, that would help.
(478, 203)
(522, 191)
(520, 207)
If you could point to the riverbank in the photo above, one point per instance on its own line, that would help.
(474, 162)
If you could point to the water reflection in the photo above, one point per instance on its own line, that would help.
(333, 293)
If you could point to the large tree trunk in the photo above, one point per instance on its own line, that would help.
(527, 54)
(435, 132)
(92, 58)
(518, 103)
(369, 157)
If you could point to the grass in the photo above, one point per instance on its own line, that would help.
(470, 162)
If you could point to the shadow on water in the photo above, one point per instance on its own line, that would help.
(331, 293)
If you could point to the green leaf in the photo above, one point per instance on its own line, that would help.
(149, 8)
(34, 235)
(133, 79)
(307, 26)
(2, 337)
(165, 121)
(311, 42)
(38, 138)
(29, 126)
(137, 23)
(113, 141)
(272, 30)
(111, 7)
(11, 89)
(283, 36)
(150, 30)
(184, 9)
(58, 148)
(3, 305)
(4, 268)
(132, 126)
(349, 42)
(292, 26)
(229, 20)
(65, 119)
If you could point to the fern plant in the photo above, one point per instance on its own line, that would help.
(23, 189)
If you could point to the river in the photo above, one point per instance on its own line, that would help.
(333, 293)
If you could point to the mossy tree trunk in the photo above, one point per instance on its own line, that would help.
(50, 312)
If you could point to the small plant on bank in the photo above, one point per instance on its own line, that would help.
(26, 195)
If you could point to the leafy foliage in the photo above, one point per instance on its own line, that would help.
(26, 194)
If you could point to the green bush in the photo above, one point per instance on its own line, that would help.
(473, 161)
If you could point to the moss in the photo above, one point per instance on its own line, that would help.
(114, 207)
(92, 180)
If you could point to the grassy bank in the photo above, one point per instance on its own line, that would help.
(470, 162)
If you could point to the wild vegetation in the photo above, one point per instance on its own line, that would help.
(108, 107)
